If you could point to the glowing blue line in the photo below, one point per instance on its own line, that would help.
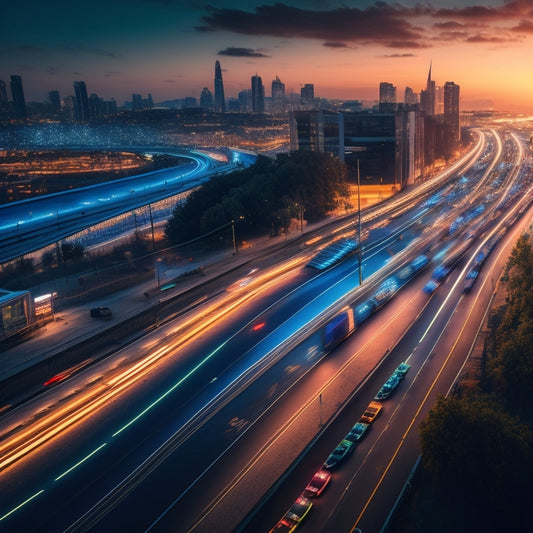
(173, 388)
(80, 462)
(21, 505)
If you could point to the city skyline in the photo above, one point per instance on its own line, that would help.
(345, 49)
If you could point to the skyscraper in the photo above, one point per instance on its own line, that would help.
(278, 96)
(427, 96)
(55, 100)
(258, 94)
(387, 97)
(3, 94)
(206, 99)
(307, 96)
(220, 103)
(451, 109)
(81, 107)
(17, 93)
(410, 98)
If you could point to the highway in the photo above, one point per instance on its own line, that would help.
(152, 444)
(31, 224)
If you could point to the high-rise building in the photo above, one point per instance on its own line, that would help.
(307, 96)
(278, 96)
(318, 131)
(451, 109)
(427, 96)
(3, 94)
(81, 107)
(206, 99)
(136, 102)
(220, 103)
(245, 100)
(55, 100)
(17, 93)
(410, 98)
(258, 95)
(387, 97)
(96, 107)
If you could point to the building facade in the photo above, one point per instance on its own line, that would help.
(220, 102)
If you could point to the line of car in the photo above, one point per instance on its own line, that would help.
(320, 480)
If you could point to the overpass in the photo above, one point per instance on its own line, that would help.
(32, 224)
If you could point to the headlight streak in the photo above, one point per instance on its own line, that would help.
(73, 467)
(21, 505)
(40, 432)
(119, 380)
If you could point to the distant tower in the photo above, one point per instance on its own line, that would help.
(220, 103)
(409, 98)
(307, 96)
(3, 95)
(81, 107)
(17, 93)
(206, 99)
(55, 100)
(427, 97)
(451, 108)
(258, 95)
(387, 97)
(278, 96)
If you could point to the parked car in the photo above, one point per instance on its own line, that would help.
(101, 312)
(338, 454)
(371, 412)
(402, 370)
(294, 516)
(317, 484)
(387, 387)
(357, 432)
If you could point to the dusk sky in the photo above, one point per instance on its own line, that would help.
(344, 47)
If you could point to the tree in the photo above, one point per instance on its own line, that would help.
(473, 446)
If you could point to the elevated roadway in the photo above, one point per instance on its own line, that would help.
(32, 224)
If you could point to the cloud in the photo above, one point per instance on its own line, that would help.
(525, 26)
(241, 52)
(335, 44)
(394, 56)
(380, 23)
(391, 25)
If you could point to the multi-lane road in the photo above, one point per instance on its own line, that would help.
(217, 421)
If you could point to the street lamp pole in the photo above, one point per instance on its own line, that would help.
(359, 216)
(233, 235)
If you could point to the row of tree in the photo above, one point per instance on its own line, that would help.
(266, 196)
(478, 447)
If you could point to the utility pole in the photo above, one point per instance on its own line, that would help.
(360, 244)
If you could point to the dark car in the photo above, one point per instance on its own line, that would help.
(338, 454)
(101, 312)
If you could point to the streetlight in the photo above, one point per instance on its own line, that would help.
(359, 216)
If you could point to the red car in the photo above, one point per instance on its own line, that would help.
(317, 484)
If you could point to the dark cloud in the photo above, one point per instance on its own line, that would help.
(380, 23)
(241, 52)
(507, 11)
(489, 39)
(334, 44)
(387, 24)
(399, 56)
(525, 26)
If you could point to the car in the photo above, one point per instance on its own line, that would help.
(357, 432)
(371, 412)
(338, 454)
(317, 484)
(284, 526)
(298, 511)
(387, 387)
(101, 312)
(402, 370)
